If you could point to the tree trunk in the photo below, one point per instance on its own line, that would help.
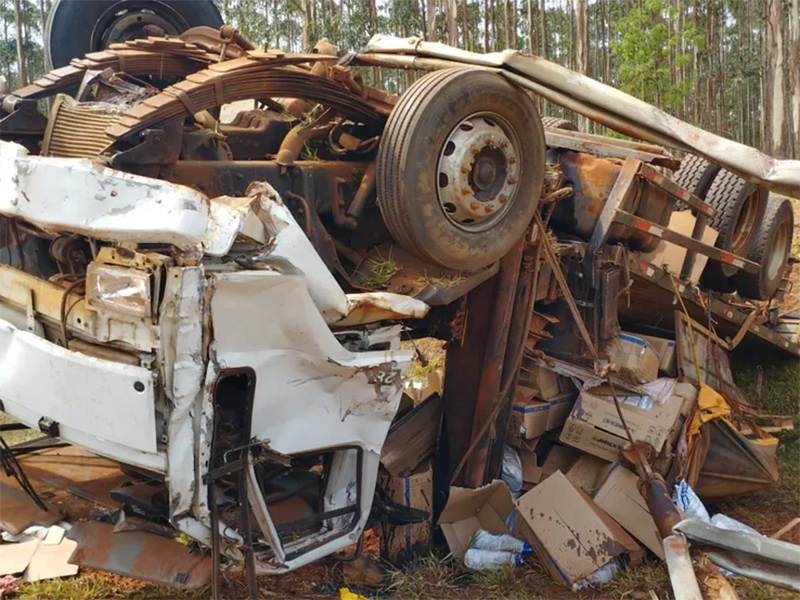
(582, 49)
(531, 29)
(452, 23)
(431, 20)
(486, 26)
(23, 74)
(773, 81)
(794, 74)
(465, 24)
(506, 26)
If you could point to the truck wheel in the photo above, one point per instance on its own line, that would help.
(771, 250)
(738, 209)
(77, 27)
(696, 175)
(461, 167)
(556, 123)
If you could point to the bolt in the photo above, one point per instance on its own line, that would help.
(475, 205)
(491, 141)
(503, 199)
(512, 160)
(488, 209)
(475, 149)
(466, 168)
(511, 180)
(504, 144)
(466, 190)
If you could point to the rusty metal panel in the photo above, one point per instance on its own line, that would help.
(20, 511)
(138, 554)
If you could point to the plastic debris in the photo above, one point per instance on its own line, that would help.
(480, 560)
(603, 575)
(483, 540)
(346, 594)
(686, 500)
(512, 470)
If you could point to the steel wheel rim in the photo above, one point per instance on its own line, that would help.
(478, 172)
(746, 222)
(780, 251)
(125, 21)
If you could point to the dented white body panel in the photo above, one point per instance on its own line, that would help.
(252, 295)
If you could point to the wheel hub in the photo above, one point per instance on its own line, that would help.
(135, 19)
(478, 172)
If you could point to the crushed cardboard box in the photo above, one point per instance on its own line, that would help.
(403, 542)
(531, 471)
(532, 417)
(571, 534)
(548, 384)
(634, 356)
(411, 439)
(469, 510)
(665, 349)
(559, 458)
(619, 496)
(589, 472)
(594, 425)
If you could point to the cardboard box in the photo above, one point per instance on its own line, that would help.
(594, 426)
(404, 542)
(531, 471)
(634, 356)
(421, 391)
(531, 417)
(411, 440)
(572, 535)
(665, 349)
(671, 257)
(620, 497)
(469, 510)
(560, 458)
(547, 383)
(589, 472)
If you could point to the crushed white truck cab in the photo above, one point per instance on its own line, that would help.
(206, 341)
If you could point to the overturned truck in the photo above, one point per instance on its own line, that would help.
(209, 253)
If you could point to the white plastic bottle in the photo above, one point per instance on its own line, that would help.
(478, 560)
(483, 540)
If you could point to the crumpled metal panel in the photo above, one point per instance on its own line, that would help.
(610, 107)
(80, 196)
(102, 405)
(755, 556)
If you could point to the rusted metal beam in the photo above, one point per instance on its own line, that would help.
(605, 147)
(673, 237)
(669, 186)
(495, 348)
(617, 200)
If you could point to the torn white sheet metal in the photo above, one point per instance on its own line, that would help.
(307, 385)
(79, 196)
(230, 216)
(181, 322)
(104, 406)
(681, 572)
(311, 393)
(372, 307)
(608, 106)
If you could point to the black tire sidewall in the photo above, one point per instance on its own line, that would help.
(70, 24)
(760, 286)
(474, 92)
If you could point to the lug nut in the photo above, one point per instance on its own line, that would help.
(466, 168)
(466, 190)
(503, 199)
(475, 149)
(511, 180)
(475, 205)
(512, 160)
(488, 209)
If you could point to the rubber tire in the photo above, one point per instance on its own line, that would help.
(759, 286)
(70, 23)
(696, 175)
(726, 196)
(410, 147)
(556, 123)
